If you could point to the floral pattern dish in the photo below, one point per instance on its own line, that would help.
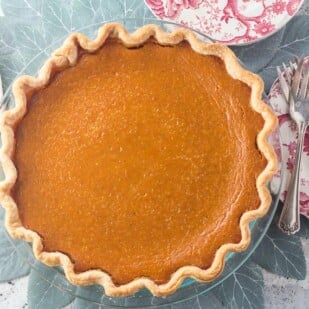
(233, 22)
(288, 133)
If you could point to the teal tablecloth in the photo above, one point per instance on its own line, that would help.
(29, 26)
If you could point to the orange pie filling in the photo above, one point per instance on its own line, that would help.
(139, 161)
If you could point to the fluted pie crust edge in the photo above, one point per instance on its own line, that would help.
(66, 56)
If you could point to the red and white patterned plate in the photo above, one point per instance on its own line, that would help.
(233, 22)
(288, 134)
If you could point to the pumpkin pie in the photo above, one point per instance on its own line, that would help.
(137, 160)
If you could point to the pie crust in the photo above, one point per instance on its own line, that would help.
(66, 56)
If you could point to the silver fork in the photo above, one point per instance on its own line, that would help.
(295, 89)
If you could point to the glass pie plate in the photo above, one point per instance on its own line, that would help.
(94, 294)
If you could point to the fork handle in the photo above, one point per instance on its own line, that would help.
(289, 221)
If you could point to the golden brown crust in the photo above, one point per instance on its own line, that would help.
(66, 56)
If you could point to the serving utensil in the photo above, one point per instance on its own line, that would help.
(294, 83)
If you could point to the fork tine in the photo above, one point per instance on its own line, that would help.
(279, 72)
(297, 77)
(304, 81)
(287, 73)
(306, 63)
(284, 85)
(293, 66)
(284, 66)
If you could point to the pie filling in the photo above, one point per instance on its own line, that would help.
(138, 161)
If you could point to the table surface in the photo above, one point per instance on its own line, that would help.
(279, 292)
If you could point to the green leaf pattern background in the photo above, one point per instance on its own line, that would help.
(28, 27)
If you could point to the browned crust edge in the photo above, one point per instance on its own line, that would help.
(67, 55)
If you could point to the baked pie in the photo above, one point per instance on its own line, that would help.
(137, 160)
